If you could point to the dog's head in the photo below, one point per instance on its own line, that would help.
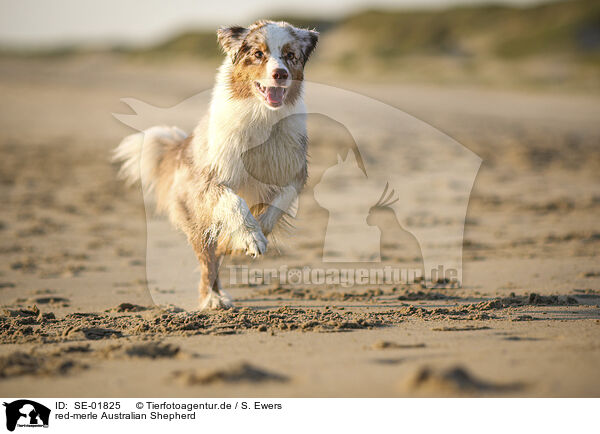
(268, 60)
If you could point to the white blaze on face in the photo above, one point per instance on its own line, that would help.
(276, 38)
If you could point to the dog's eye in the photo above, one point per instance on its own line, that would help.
(290, 56)
(259, 54)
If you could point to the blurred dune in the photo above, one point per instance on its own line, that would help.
(552, 45)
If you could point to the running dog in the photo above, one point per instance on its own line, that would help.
(236, 179)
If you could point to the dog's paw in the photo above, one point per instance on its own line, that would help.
(256, 244)
(251, 242)
(214, 301)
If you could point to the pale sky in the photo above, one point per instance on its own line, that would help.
(56, 22)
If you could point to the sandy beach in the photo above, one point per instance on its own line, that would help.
(79, 315)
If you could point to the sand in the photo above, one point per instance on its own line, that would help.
(78, 316)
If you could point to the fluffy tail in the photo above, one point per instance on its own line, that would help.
(141, 153)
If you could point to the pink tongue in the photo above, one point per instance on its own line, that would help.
(274, 95)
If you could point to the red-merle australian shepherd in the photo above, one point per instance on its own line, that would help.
(234, 180)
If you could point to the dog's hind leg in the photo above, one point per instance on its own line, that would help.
(210, 294)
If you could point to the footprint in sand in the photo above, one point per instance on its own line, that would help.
(20, 363)
(242, 372)
(453, 381)
(52, 300)
(148, 350)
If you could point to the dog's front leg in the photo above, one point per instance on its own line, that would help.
(232, 217)
(278, 206)
(210, 294)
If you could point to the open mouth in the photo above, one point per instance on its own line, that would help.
(273, 95)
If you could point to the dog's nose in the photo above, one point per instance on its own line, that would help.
(280, 74)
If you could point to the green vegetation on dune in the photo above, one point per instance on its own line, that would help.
(548, 44)
(570, 27)
(204, 43)
(190, 43)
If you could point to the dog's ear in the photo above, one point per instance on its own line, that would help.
(309, 40)
(231, 38)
